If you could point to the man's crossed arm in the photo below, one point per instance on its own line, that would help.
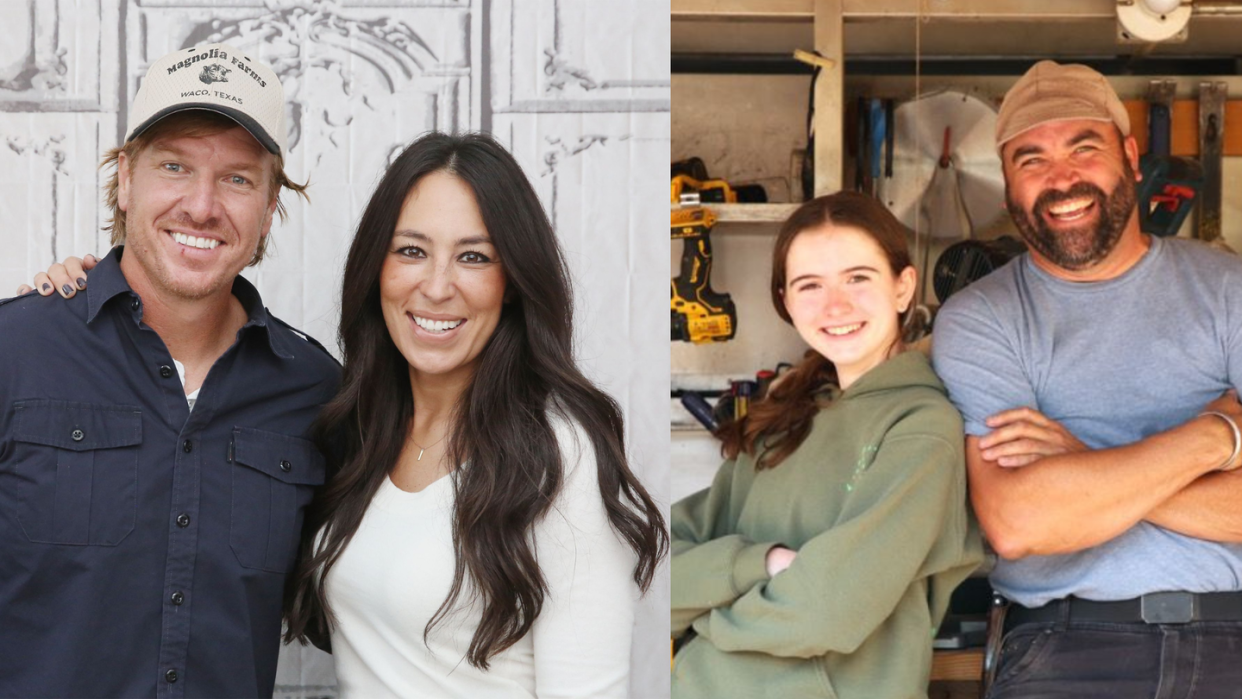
(1039, 490)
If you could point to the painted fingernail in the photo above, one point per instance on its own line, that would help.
(46, 286)
(66, 290)
(81, 282)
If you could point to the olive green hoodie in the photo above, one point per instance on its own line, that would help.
(874, 502)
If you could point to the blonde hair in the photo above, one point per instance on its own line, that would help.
(194, 123)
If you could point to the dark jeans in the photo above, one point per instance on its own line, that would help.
(1199, 660)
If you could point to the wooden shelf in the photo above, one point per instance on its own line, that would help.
(957, 665)
(749, 213)
(981, 28)
(861, 10)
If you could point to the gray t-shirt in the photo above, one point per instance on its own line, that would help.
(1114, 362)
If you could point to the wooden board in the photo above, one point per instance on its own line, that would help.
(1184, 140)
(963, 665)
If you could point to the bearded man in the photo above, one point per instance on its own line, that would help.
(1094, 374)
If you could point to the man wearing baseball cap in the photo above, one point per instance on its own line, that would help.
(1102, 447)
(155, 455)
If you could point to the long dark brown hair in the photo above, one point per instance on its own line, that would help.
(777, 425)
(501, 426)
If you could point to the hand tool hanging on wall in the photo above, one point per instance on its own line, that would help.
(818, 62)
(1167, 190)
(698, 313)
(890, 134)
(697, 405)
(1211, 144)
(862, 176)
(873, 133)
(879, 136)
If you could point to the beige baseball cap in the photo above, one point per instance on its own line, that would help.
(217, 78)
(1053, 92)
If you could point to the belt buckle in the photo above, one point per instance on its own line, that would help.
(1168, 607)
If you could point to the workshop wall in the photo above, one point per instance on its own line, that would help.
(745, 128)
(578, 90)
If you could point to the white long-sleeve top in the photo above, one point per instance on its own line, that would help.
(395, 573)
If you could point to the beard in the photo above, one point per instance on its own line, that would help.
(1079, 247)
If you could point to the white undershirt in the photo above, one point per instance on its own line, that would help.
(397, 570)
(189, 397)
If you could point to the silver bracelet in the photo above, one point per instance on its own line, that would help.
(1237, 439)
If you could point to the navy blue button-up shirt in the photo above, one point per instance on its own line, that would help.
(144, 546)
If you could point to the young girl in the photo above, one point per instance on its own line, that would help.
(821, 559)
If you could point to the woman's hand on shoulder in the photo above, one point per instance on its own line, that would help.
(779, 558)
(67, 278)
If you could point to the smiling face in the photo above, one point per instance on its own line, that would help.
(196, 208)
(442, 286)
(844, 299)
(1070, 188)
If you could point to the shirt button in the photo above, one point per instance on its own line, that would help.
(166, 371)
(77, 435)
(170, 676)
(133, 306)
(177, 598)
(183, 520)
(286, 466)
(187, 446)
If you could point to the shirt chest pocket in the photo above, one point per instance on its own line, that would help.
(77, 471)
(274, 477)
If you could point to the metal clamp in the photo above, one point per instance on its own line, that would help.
(1212, 97)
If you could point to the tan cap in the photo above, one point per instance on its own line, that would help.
(218, 78)
(1053, 92)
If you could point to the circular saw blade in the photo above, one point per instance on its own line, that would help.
(917, 142)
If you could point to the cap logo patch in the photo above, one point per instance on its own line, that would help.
(196, 57)
(214, 73)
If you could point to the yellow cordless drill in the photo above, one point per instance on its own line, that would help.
(699, 314)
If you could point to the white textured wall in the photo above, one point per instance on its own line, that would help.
(577, 89)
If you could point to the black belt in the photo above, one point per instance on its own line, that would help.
(1153, 608)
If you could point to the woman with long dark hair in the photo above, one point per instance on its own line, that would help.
(482, 534)
(822, 557)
